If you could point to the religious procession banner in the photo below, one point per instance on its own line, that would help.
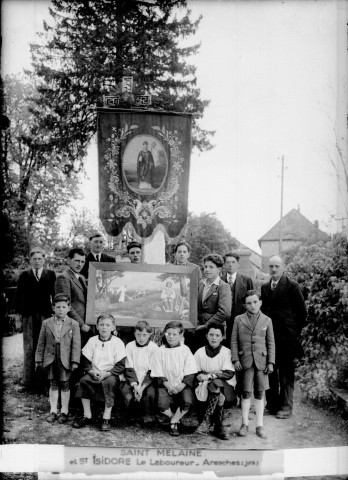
(144, 162)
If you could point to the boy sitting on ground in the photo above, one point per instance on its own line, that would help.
(174, 368)
(139, 385)
(103, 361)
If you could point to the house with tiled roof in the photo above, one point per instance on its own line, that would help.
(296, 230)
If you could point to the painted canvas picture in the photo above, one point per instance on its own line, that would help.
(155, 293)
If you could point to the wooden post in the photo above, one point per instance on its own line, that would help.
(154, 251)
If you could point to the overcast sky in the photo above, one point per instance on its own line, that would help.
(275, 72)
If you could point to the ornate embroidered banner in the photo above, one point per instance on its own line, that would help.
(144, 161)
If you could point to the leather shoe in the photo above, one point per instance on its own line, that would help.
(260, 432)
(283, 414)
(82, 422)
(243, 431)
(221, 433)
(148, 420)
(203, 428)
(52, 417)
(63, 418)
(268, 411)
(105, 426)
(174, 430)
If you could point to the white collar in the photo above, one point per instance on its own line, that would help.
(232, 275)
(215, 282)
(39, 271)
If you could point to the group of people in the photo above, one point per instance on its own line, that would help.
(244, 343)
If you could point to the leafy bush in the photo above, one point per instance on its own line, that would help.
(322, 271)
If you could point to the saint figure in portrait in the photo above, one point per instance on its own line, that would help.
(145, 166)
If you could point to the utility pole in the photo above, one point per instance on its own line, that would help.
(281, 208)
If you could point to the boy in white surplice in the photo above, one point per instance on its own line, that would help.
(138, 385)
(174, 368)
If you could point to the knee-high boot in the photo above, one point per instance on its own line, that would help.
(203, 428)
(219, 429)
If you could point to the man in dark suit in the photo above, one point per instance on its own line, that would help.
(239, 285)
(73, 284)
(283, 302)
(96, 254)
(33, 301)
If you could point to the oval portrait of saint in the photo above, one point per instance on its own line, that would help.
(145, 164)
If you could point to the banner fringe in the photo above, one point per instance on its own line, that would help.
(145, 241)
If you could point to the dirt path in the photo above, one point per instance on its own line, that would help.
(24, 422)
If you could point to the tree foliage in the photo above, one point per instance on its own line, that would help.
(36, 188)
(88, 49)
(82, 225)
(207, 234)
(322, 271)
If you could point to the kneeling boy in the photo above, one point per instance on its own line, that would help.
(174, 368)
(103, 361)
(253, 354)
(139, 385)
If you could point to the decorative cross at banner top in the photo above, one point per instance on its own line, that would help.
(125, 96)
(127, 84)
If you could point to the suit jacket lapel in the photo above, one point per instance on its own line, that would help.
(268, 288)
(82, 281)
(213, 289)
(280, 286)
(75, 280)
(66, 326)
(200, 292)
(51, 326)
(44, 274)
(260, 321)
(245, 321)
(32, 275)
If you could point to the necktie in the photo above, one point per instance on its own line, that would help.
(98, 258)
(37, 274)
(273, 286)
(231, 283)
